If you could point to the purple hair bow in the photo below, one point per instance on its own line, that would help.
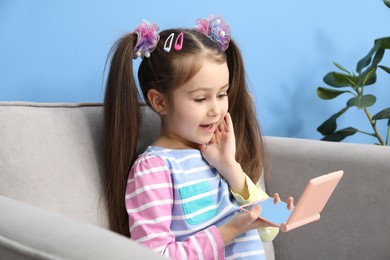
(216, 29)
(147, 39)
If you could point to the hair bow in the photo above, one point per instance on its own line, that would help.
(147, 39)
(216, 29)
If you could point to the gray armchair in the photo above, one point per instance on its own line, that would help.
(51, 206)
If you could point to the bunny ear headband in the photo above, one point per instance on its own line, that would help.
(147, 36)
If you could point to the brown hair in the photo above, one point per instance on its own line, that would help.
(164, 72)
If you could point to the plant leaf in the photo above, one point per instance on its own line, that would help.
(381, 43)
(341, 67)
(387, 69)
(362, 102)
(330, 125)
(384, 42)
(387, 3)
(340, 135)
(384, 114)
(327, 93)
(366, 60)
(368, 77)
(378, 56)
(337, 80)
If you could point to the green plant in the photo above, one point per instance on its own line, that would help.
(366, 75)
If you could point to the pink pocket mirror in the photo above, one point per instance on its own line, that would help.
(309, 206)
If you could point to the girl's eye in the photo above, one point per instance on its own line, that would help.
(199, 100)
(222, 95)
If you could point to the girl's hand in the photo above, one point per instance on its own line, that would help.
(290, 201)
(220, 152)
(243, 222)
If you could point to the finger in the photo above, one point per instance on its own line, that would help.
(290, 203)
(213, 139)
(276, 198)
(229, 122)
(222, 125)
(255, 212)
(266, 223)
(203, 147)
(260, 223)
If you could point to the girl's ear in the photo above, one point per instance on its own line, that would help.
(157, 100)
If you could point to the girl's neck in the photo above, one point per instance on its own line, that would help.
(166, 142)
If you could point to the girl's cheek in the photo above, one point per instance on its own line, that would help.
(224, 113)
(226, 109)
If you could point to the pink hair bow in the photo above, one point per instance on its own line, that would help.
(216, 29)
(147, 39)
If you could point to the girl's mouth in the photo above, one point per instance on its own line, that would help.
(207, 127)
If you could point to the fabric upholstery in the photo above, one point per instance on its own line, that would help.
(51, 171)
(355, 222)
(51, 156)
(27, 232)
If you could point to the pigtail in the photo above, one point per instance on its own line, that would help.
(122, 119)
(250, 151)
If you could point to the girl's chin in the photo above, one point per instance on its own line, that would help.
(196, 142)
(206, 142)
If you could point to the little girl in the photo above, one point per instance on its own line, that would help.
(181, 196)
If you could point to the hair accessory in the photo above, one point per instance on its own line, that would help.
(216, 29)
(179, 41)
(147, 39)
(169, 41)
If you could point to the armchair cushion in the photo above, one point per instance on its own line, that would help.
(51, 156)
(27, 232)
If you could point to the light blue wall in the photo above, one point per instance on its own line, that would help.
(55, 51)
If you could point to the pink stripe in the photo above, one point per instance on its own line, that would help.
(159, 177)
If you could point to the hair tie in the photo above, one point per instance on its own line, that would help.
(147, 39)
(216, 29)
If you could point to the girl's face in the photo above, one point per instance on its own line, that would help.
(197, 107)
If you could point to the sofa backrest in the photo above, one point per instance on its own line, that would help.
(355, 222)
(51, 156)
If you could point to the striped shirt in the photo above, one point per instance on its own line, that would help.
(176, 201)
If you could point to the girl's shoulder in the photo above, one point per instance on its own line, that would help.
(172, 158)
(171, 154)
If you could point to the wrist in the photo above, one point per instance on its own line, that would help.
(236, 178)
(228, 232)
(230, 169)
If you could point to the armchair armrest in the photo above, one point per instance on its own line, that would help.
(28, 232)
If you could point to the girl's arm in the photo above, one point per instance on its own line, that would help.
(220, 152)
(149, 201)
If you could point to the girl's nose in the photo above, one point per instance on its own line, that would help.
(214, 109)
